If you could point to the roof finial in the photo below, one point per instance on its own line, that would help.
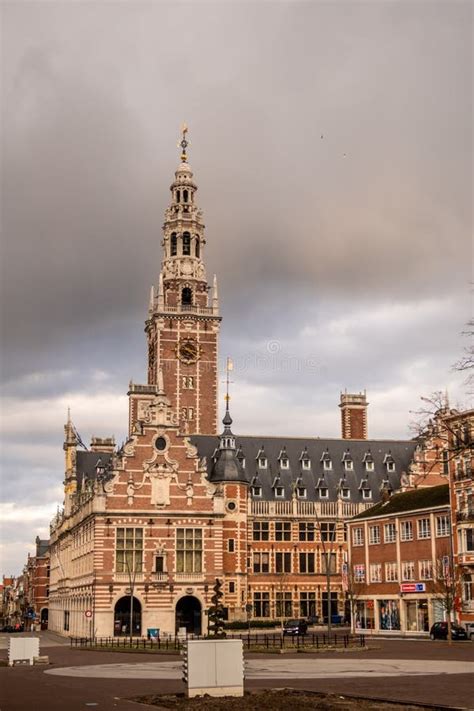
(184, 143)
(227, 418)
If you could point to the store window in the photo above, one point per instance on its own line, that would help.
(417, 616)
(364, 614)
(389, 615)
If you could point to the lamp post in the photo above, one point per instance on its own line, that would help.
(131, 581)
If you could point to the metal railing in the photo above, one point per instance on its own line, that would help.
(261, 640)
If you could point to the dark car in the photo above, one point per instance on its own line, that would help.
(295, 627)
(440, 631)
(8, 628)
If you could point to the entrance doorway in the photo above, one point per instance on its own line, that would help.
(122, 617)
(188, 614)
(44, 618)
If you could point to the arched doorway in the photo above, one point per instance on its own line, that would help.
(122, 617)
(44, 618)
(188, 614)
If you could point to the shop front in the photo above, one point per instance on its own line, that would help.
(417, 615)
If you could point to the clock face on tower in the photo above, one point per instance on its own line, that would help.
(188, 351)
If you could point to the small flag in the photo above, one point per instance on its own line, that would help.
(345, 581)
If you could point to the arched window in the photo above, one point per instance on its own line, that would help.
(198, 247)
(187, 296)
(178, 196)
(185, 196)
(174, 244)
(186, 243)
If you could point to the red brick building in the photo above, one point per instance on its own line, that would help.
(146, 528)
(399, 551)
(36, 577)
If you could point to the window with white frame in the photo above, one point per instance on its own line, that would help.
(261, 562)
(262, 462)
(424, 528)
(375, 572)
(349, 465)
(279, 492)
(306, 464)
(406, 531)
(389, 533)
(391, 572)
(390, 466)
(345, 493)
(284, 463)
(327, 530)
(442, 525)
(327, 465)
(374, 535)
(282, 530)
(189, 549)
(358, 536)
(408, 570)
(366, 494)
(323, 492)
(369, 466)
(359, 573)
(301, 492)
(129, 550)
(425, 569)
(256, 490)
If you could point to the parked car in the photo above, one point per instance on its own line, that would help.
(8, 628)
(440, 631)
(295, 627)
(312, 620)
(469, 630)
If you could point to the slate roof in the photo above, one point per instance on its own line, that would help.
(401, 451)
(42, 546)
(87, 462)
(424, 498)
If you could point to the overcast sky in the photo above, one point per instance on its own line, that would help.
(332, 147)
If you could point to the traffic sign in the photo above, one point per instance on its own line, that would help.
(88, 613)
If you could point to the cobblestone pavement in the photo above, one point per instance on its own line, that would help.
(424, 679)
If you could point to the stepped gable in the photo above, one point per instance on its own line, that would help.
(297, 475)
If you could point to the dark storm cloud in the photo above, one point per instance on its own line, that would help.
(332, 147)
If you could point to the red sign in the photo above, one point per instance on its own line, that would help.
(88, 613)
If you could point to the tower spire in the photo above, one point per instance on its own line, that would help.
(184, 143)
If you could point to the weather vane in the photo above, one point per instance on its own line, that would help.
(183, 143)
(229, 368)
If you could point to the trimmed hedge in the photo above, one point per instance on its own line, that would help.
(259, 624)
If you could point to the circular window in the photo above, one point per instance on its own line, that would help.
(231, 506)
(160, 444)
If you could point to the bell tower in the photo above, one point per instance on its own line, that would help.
(183, 319)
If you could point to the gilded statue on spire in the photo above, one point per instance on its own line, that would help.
(183, 143)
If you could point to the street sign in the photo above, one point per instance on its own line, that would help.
(412, 587)
(88, 613)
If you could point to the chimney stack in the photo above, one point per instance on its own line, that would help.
(354, 415)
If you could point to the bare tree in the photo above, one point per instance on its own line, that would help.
(353, 590)
(466, 362)
(447, 587)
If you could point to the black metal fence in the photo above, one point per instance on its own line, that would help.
(262, 640)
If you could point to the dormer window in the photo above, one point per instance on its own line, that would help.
(349, 465)
(284, 463)
(306, 464)
(279, 492)
(389, 462)
(256, 490)
(366, 494)
(390, 466)
(301, 492)
(323, 492)
(262, 459)
(345, 492)
(369, 466)
(327, 465)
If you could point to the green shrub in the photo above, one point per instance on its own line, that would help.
(254, 624)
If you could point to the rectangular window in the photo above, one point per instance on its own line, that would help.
(231, 545)
(374, 535)
(327, 465)
(129, 550)
(282, 530)
(349, 466)
(359, 573)
(306, 464)
(279, 492)
(408, 570)
(261, 531)
(284, 463)
(262, 463)
(328, 531)
(358, 536)
(282, 562)
(306, 561)
(186, 243)
(469, 539)
(389, 533)
(406, 531)
(284, 604)
(323, 493)
(301, 491)
(261, 563)
(66, 621)
(375, 572)
(391, 572)
(257, 490)
(390, 466)
(369, 466)
(366, 494)
(306, 531)
(426, 569)
(188, 382)
(189, 550)
(442, 526)
(261, 604)
(424, 528)
(160, 564)
(345, 493)
(307, 604)
(232, 587)
(332, 562)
